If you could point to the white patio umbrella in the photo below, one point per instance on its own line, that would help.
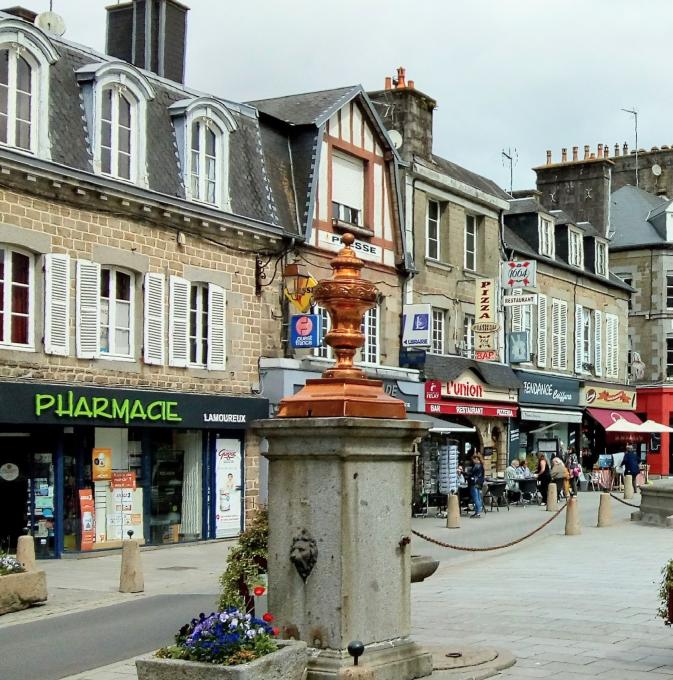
(624, 425)
(653, 426)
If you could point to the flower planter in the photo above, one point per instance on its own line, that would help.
(287, 663)
(20, 591)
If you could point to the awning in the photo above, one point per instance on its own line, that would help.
(551, 415)
(439, 426)
(606, 418)
(468, 408)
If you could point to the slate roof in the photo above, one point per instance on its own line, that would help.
(439, 367)
(519, 206)
(463, 175)
(631, 210)
(250, 188)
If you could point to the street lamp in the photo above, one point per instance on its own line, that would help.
(297, 279)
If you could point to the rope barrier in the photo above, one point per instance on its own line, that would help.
(494, 547)
(621, 500)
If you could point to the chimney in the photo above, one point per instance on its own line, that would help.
(575, 150)
(586, 152)
(411, 85)
(22, 13)
(564, 155)
(548, 157)
(401, 71)
(150, 34)
(606, 151)
(600, 151)
(388, 83)
(625, 149)
(616, 149)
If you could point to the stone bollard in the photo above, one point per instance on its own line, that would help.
(453, 512)
(355, 673)
(604, 511)
(552, 497)
(628, 487)
(573, 526)
(131, 576)
(25, 552)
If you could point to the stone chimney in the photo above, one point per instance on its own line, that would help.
(408, 111)
(150, 34)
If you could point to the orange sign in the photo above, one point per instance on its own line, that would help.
(101, 468)
(123, 480)
(88, 518)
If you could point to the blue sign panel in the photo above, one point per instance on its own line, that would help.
(305, 331)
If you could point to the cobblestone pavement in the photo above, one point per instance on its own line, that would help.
(567, 607)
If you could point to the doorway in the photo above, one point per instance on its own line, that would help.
(15, 462)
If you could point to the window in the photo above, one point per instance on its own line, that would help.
(16, 100)
(669, 290)
(470, 242)
(116, 312)
(348, 182)
(438, 316)
(432, 231)
(16, 298)
(370, 327)
(324, 351)
(559, 334)
(669, 357)
(575, 248)
(628, 280)
(468, 335)
(198, 325)
(546, 237)
(586, 336)
(117, 123)
(601, 259)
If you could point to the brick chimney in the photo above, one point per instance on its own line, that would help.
(407, 110)
(150, 34)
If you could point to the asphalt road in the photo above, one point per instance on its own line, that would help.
(55, 648)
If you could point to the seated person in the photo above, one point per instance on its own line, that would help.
(462, 482)
(525, 470)
(511, 475)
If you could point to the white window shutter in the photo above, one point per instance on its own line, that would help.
(542, 331)
(598, 342)
(579, 335)
(178, 321)
(154, 328)
(516, 319)
(57, 304)
(217, 310)
(615, 344)
(555, 326)
(88, 309)
(563, 334)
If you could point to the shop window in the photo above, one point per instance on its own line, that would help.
(438, 317)
(669, 357)
(324, 351)
(370, 353)
(116, 312)
(16, 298)
(468, 335)
(470, 242)
(432, 231)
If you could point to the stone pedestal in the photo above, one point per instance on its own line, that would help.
(656, 502)
(339, 530)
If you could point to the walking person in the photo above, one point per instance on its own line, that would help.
(560, 476)
(476, 481)
(631, 465)
(543, 475)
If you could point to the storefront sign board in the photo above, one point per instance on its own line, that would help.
(43, 404)
(548, 390)
(604, 396)
(466, 386)
(305, 331)
(101, 468)
(364, 250)
(515, 274)
(227, 488)
(485, 326)
(517, 300)
(86, 512)
(471, 409)
(416, 326)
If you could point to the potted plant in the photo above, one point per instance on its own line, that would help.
(246, 565)
(666, 594)
(223, 646)
(19, 589)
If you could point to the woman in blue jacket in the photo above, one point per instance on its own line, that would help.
(476, 481)
(631, 465)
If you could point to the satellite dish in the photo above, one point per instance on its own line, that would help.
(656, 170)
(51, 23)
(395, 138)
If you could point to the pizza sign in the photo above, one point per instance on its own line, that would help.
(518, 274)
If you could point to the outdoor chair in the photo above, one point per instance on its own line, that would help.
(498, 496)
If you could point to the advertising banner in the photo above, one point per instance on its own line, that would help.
(416, 326)
(101, 468)
(228, 483)
(305, 331)
(548, 390)
(86, 512)
(604, 396)
(123, 480)
(485, 326)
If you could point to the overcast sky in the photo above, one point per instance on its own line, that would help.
(521, 74)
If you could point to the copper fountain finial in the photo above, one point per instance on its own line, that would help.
(344, 390)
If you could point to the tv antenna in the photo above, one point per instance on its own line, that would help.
(634, 113)
(511, 157)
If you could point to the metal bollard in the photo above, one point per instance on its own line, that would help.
(604, 511)
(453, 512)
(552, 497)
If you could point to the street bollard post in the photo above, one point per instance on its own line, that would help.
(453, 512)
(604, 511)
(552, 497)
(131, 579)
(573, 526)
(25, 552)
(628, 487)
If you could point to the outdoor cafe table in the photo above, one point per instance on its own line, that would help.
(527, 487)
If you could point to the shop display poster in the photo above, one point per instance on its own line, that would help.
(123, 480)
(101, 468)
(227, 488)
(86, 507)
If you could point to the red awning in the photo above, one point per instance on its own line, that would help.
(473, 408)
(607, 417)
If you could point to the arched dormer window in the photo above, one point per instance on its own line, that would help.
(25, 56)
(202, 129)
(115, 97)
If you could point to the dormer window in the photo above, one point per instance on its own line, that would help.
(115, 101)
(25, 57)
(546, 237)
(575, 248)
(601, 262)
(202, 128)
(348, 189)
